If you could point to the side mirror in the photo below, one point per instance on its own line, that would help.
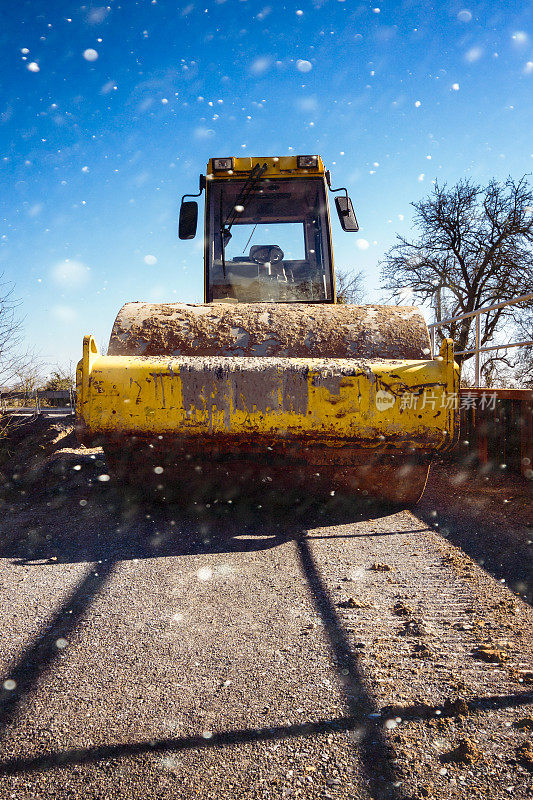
(346, 214)
(188, 219)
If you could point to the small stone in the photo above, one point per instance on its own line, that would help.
(401, 609)
(413, 627)
(456, 708)
(465, 753)
(421, 650)
(351, 602)
(525, 754)
(377, 567)
(490, 654)
(524, 724)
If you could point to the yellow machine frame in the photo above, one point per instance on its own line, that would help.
(331, 402)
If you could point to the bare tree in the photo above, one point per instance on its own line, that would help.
(18, 367)
(10, 335)
(474, 248)
(350, 286)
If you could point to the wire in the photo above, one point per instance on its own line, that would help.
(250, 238)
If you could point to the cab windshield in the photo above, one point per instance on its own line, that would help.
(270, 242)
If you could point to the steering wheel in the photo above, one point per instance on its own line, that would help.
(266, 253)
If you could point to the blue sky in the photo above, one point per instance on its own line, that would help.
(108, 114)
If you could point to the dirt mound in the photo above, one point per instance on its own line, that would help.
(33, 450)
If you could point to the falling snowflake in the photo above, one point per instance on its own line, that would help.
(520, 38)
(303, 66)
(260, 65)
(90, 54)
(474, 54)
(33, 66)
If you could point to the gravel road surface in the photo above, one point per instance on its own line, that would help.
(275, 649)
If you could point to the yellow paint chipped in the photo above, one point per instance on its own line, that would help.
(331, 401)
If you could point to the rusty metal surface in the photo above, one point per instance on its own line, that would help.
(332, 401)
(498, 425)
(500, 394)
(270, 329)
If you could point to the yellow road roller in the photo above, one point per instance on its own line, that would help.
(270, 380)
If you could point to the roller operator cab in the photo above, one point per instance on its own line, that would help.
(267, 230)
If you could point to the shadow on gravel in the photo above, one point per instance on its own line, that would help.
(41, 654)
(422, 711)
(364, 717)
(91, 755)
(65, 511)
(67, 514)
(91, 520)
(375, 755)
(65, 758)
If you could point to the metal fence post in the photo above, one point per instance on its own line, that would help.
(478, 345)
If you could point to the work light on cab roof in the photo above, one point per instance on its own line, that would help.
(272, 379)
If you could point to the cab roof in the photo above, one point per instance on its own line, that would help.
(285, 166)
